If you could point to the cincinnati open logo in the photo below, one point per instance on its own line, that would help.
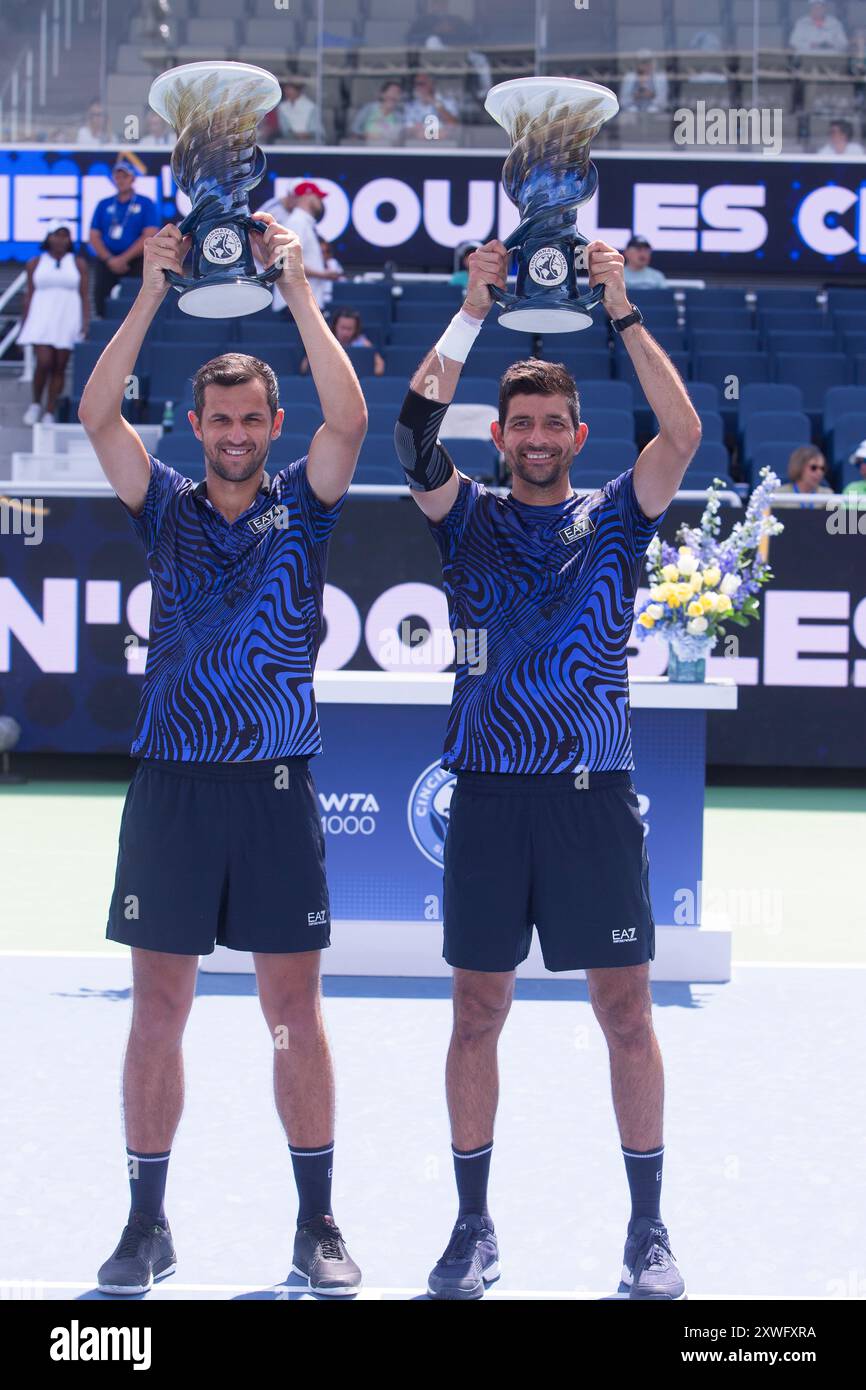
(221, 246)
(430, 810)
(548, 266)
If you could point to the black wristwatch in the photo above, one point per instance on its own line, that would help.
(634, 317)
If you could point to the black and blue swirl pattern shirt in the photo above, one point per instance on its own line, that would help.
(551, 589)
(235, 622)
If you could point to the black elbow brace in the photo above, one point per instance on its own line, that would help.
(426, 463)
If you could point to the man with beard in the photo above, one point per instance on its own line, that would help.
(221, 838)
(544, 826)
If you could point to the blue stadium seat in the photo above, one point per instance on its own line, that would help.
(780, 340)
(475, 458)
(84, 358)
(842, 400)
(377, 475)
(609, 424)
(610, 456)
(593, 366)
(813, 374)
(854, 344)
(437, 292)
(671, 339)
(744, 340)
(493, 362)
(860, 369)
(703, 396)
(362, 359)
(483, 390)
(433, 312)
(848, 432)
(606, 395)
(766, 426)
(849, 320)
(786, 299)
(711, 424)
(301, 418)
(711, 460)
(768, 395)
(412, 336)
(266, 328)
(716, 297)
(730, 320)
(719, 367)
(625, 369)
(793, 321)
(378, 451)
(180, 447)
(851, 299)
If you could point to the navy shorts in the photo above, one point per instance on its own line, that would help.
(226, 853)
(524, 850)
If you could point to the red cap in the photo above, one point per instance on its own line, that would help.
(306, 187)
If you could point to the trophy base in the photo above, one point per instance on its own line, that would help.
(538, 320)
(226, 301)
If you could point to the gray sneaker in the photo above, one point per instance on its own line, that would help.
(320, 1256)
(145, 1252)
(648, 1266)
(470, 1262)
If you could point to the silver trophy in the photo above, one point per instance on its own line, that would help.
(215, 109)
(551, 122)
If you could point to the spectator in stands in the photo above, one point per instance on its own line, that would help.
(859, 485)
(156, 131)
(644, 89)
(300, 211)
(120, 226)
(56, 315)
(347, 328)
(639, 274)
(381, 122)
(839, 143)
(95, 130)
(818, 31)
(429, 115)
(296, 118)
(331, 263)
(436, 27)
(807, 467)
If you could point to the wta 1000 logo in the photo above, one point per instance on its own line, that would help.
(430, 810)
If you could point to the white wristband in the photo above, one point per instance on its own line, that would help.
(459, 336)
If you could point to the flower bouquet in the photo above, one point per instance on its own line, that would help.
(703, 583)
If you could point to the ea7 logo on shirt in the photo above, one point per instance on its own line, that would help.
(625, 934)
(581, 526)
(275, 516)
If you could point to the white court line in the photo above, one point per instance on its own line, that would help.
(375, 1294)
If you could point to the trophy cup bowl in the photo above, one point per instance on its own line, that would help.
(215, 108)
(551, 122)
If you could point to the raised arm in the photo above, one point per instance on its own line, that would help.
(121, 454)
(433, 479)
(661, 465)
(334, 450)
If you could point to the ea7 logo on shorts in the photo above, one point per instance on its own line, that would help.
(317, 919)
(626, 934)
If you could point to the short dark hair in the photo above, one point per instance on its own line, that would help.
(845, 126)
(233, 369)
(533, 377)
(343, 312)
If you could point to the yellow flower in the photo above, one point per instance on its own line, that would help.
(694, 609)
(695, 583)
(646, 621)
(683, 592)
(724, 604)
(674, 600)
(670, 573)
(712, 576)
(709, 602)
(659, 593)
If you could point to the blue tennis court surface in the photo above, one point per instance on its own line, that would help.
(764, 1172)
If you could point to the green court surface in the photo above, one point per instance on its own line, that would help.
(784, 865)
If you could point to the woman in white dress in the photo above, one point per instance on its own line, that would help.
(56, 317)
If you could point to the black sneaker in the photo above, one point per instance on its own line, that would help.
(321, 1257)
(470, 1262)
(648, 1266)
(145, 1252)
